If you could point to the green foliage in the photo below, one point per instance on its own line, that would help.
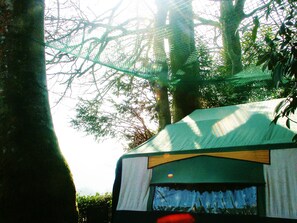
(205, 59)
(130, 117)
(98, 204)
(252, 84)
(90, 120)
(281, 58)
(131, 113)
(253, 47)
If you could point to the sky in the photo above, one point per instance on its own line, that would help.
(92, 163)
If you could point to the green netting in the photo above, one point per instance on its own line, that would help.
(123, 37)
(254, 74)
(85, 51)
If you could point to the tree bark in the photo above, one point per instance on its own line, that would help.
(183, 59)
(230, 19)
(160, 86)
(35, 182)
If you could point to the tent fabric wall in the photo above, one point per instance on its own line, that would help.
(280, 187)
(225, 129)
(136, 177)
(281, 184)
(205, 169)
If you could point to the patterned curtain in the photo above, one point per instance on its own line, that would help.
(237, 201)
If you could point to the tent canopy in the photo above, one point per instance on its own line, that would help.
(222, 129)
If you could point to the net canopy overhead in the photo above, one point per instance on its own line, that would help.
(124, 35)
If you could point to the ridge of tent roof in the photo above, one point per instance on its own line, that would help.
(243, 125)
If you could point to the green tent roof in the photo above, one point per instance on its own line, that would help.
(244, 125)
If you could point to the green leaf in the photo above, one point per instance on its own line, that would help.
(275, 119)
(277, 73)
(263, 58)
(288, 123)
(289, 23)
(279, 106)
(264, 66)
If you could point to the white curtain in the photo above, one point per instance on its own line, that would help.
(281, 184)
(135, 184)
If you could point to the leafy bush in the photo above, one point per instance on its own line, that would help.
(281, 59)
(94, 208)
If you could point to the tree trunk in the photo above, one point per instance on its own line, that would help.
(183, 59)
(35, 182)
(231, 17)
(160, 87)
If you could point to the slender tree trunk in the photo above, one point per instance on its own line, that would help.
(231, 17)
(160, 87)
(35, 182)
(183, 58)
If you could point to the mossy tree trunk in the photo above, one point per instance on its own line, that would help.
(160, 86)
(35, 182)
(231, 16)
(183, 59)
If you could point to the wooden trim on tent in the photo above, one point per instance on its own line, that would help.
(259, 156)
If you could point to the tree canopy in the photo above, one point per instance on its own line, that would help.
(160, 45)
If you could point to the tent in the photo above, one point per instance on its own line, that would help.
(227, 163)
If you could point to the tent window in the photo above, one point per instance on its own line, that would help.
(206, 199)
